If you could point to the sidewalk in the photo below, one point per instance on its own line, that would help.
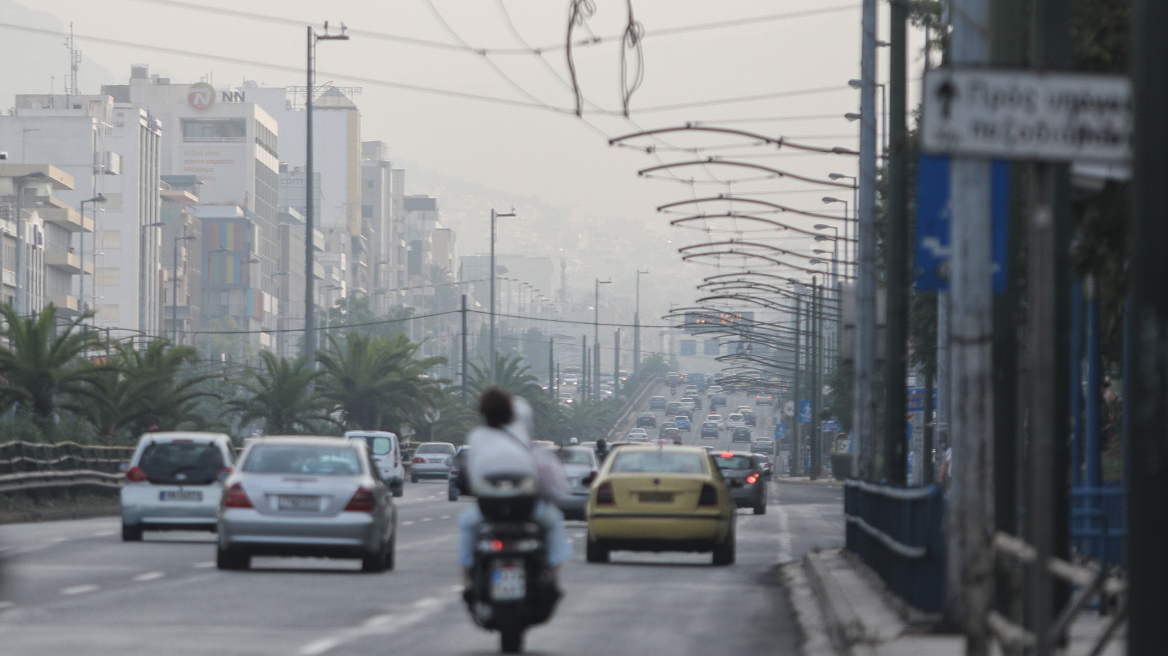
(844, 609)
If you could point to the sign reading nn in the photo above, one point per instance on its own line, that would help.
(1027, 115)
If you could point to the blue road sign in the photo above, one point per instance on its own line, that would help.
(831, 426)
(916, 399)
(805, 412)
(933, 215)
(780, 431)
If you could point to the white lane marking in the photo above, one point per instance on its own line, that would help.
(444, 517)
(149, 576)
(380, 625)
(5, 605)
(426, 519)
(408, 522)
(785, 554)
(102, 534)
(78, 589)
(206, 564)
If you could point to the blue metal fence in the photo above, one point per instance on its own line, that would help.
(898, 532)
(1097, 522)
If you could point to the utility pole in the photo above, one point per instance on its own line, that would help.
(865, 399)
(798, 460)
(595, 391)
(637, 328)
(494, 274)
(1046, 300)
(464, 354)
(815, 349)
(583, 384)
(896, 258)
(969, 588)
(1147, 453)
(616, 362)
(553, 388)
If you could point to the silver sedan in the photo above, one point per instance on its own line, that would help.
(307, 496)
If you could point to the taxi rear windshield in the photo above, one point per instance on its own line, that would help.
(181, 463)
(735, 462)
(657, 461)
(303, 459)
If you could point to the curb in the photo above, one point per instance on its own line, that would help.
(803, 480)
(59, 514)
(842, 622)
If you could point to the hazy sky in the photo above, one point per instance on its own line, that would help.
(536, 147)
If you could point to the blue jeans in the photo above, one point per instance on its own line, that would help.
(547, 515)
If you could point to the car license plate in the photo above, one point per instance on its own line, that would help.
(656, 497)
(299, 502)
(180, 495)
(434, 460)
(508, 580)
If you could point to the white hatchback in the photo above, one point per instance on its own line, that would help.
(174, 482)
(735, 420)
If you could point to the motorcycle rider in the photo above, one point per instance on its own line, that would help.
(503, 446)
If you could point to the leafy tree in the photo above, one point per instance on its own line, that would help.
(43, 370)
(281, 396)
(377, 382)
(589, 420)
(654, 365)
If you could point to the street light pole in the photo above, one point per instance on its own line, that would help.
(494, 274)
(93, 246)
(174, 283)
(596, 339)
(637, 327)
(309, 210)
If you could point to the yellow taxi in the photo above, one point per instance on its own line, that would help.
(660, 498)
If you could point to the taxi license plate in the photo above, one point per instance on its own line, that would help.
(298, 502)
(656, 497)
(508, 581)
(180, 495)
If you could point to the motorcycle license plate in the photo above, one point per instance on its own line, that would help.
(508, 581)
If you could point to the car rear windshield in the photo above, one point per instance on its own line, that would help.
(735, 462)
(657, 461)
(446, 449)
(181, 463)
(574, 457)
(303, 459)
(735, 417)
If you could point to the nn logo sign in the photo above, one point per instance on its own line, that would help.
(201, 96)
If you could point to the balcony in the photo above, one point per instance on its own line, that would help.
(67, 218)
(67, 304)
(67, 262)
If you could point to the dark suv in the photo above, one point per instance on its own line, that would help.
(741, 434)
(646, 420)
(745, 476)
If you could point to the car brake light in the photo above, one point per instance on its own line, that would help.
(135, 475)
(496, 545)
(236, 497)
(418, 460)
(752, 478)
(604, 495)
(709, 496)
(727, 454)
(362, 501)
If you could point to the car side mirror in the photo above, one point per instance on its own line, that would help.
(588, 480)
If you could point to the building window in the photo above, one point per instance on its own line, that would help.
(109, 276)
(108, 313)
(214, 130)
(111, 239)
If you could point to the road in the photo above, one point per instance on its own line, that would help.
(74, 588)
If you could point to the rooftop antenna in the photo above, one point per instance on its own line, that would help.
(74, 64)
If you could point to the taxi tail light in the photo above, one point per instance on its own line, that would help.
(362, 501)
(604, 495)
(236, 497)
(135, 475)
(752, 478)
(709, 496)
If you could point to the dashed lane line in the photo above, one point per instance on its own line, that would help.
(149, 576)
(79, 589)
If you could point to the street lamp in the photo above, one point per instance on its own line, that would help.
(596, 339)
(856, 84)
(309, 213)
(637, 327)
(98, 199)
(828, 200)
(835, 246)
(174, 281)
(494, 274)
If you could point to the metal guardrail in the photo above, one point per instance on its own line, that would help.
(29, 466)
(897, 531)
(638, 401)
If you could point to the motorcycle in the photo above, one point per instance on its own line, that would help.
(672, 391)
(512, 587)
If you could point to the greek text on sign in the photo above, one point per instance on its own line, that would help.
(1027, 115)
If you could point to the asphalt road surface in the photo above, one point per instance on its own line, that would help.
(75, 588)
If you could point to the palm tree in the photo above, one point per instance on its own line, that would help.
(43, 368)
(515, 377)
(377, 382)
(281, 396)
(589, 420)
(145, 390)
(454, 420)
